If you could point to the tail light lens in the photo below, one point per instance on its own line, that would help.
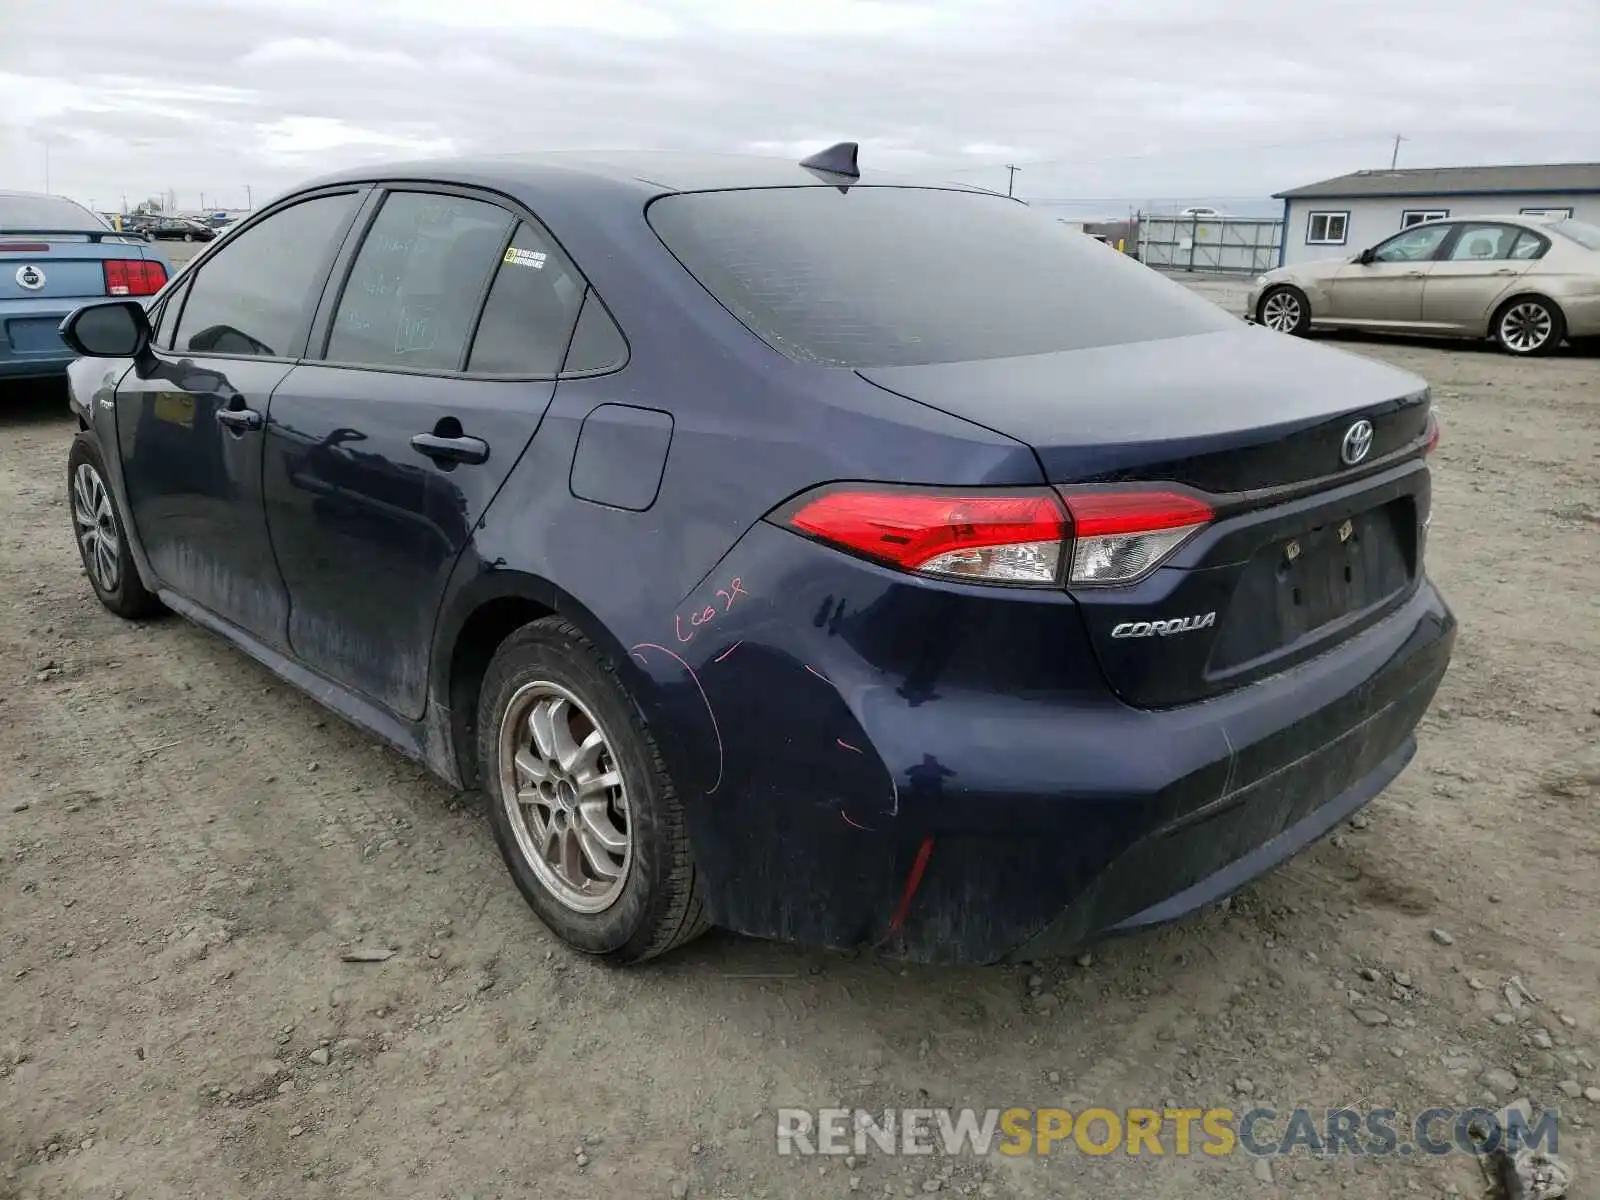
(1432, 444)
(980, 537)
(1120, 536)
(133, 276)
(1022, 537)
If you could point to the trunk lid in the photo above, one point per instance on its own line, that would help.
(1305, 549)
(65, 267)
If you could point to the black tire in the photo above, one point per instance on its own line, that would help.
(658, 907)
(1519, 316)
(126, 595)
(1288, 299)
(188, 237)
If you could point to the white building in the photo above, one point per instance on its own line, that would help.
(1338, 217)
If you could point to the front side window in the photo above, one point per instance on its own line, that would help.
(255, 296)
(1482, 243)
(1416, 245)
(534, 301)
(417, 281)
(1327, 228)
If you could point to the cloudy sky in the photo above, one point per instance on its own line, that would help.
(1102, 101)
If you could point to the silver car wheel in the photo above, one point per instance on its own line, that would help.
(97, 527)
(565, 797)
(1281, 312)
(1526, 327)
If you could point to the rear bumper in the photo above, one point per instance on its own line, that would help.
(841, 719)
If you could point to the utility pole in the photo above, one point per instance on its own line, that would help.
(1395, 156)
(202, 202)
(249, 200)
(1011, 179)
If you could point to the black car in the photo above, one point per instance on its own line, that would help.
(820, 555)
(178, 229)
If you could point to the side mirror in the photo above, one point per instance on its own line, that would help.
(119, 329)
(1365, 257)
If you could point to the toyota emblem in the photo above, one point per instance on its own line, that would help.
(30, 277)
(1357, 441)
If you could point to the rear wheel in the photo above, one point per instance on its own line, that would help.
(102, 539)
(1285, 309)
(1529, 325)
(580, 801)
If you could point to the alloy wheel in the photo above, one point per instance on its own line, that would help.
(1526, 327)
(97, 527)
(1281, 312)
(565, 797)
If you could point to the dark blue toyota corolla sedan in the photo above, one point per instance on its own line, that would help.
(817, 555)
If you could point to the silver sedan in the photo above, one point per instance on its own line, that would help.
(1525, 281)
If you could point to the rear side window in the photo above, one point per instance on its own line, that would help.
(255, 295)
(880, 276)
(534, 301)
(417, 282)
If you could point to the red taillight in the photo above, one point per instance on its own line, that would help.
(133, 276)
(1432, 444)
(25, 247)
(1119, 536)
(983, 537)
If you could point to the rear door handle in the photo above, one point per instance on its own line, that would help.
(240, 419)
(451, 449)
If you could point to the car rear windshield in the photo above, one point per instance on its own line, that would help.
(1581, 232)
(898, 276)
(46, 212)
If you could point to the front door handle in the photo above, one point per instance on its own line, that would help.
(240, 419)
(451, 449)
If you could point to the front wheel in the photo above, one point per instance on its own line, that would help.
(188, 237)
(1285, 309)
(582, 808)
(101, 536)
(1529, 325)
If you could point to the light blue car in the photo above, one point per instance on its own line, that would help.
(54, 256)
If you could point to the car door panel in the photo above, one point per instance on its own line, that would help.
(1464, 288)
(367, 526)
(193, 484)
(190, 418)
(1383, 286)
(1377, 293)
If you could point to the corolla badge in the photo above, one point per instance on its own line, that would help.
(1144, 629)
(30, 277)
(1357, 441)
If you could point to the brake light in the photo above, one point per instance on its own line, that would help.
(1119, 536)
(1432, 444)
(25, 247)
(981, 537)
(133, 276)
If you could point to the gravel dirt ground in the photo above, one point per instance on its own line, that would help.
(188, 848)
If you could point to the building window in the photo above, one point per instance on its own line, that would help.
(1416, 216)
(1565, 213)
(1327, 228)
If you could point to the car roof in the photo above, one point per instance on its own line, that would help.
(642, 174)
